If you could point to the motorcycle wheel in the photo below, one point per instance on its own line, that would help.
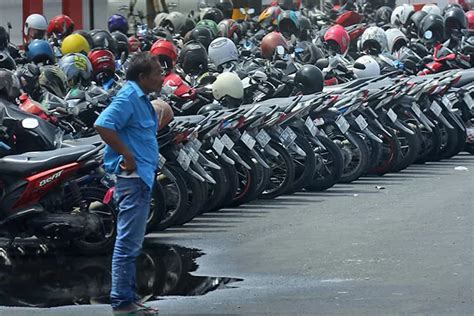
(305, 167)
(215, 192)
(157, 207)
(247, 179)
(197, 195)
(409, 146)
(232, 182)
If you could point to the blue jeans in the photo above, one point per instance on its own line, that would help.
(132, 197)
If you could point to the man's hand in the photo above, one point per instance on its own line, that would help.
(128, 164)
(111, 138)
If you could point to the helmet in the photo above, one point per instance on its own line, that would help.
(9, 84)
(86, 35)
(61, 26)
(75, 43)
(305, 26)
(372, 68)
(230, 29)
(174, 22)
(222, 50)
(6, 61)
(210, 108)
(269, 16)
(288, 23)
(159, 18)
(383, 15)
(309, 79)
(103, 63)
(454, 19)
(53, 79)
(102, 39)
(134, 44)
(166, 52)
(374, 40)
(77, 68)
(122, 44)
(4, 38)
(29, 77)
(431, 9)
(337, 39)
(470, 19)
(193, 58)
(415, 22)
(466, 5)
(118, 22)
(307, 53)
(201, 34)
(227, 8)
(35, 26)
(451, 5)
(395, 39)
(401, 14)
(213, 14)
(40, 51)
(431, 28)
(228, 85)
(270, 42)
(211, 25)
(189, 24)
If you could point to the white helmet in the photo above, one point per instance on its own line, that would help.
(159, 18)
(374, 39)
(174, 21)
(431, 9)
(35, 21)
(222, 50)
(372, 68)
(401, 14)
(396, 39)
(228, 84)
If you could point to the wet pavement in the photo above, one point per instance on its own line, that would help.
(398, 244)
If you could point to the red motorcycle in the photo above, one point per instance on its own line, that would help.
(445, 59)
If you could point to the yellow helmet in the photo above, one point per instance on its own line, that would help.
(75, 43)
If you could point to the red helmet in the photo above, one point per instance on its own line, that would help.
(61, 25)
(337, 37)
(102, 60)
(134, 44)
(230, 29)
(166, 51)
(270, 42)
(470, 20)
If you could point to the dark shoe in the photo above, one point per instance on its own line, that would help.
(136, 309)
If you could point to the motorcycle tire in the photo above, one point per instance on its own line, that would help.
(409, 146)
(390, 153)
(430, 144)
(197, 195)
(215, 192)
(157, 207)
(247, 179)
(305, 167)
(232, 182)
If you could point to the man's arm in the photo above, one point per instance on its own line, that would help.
(111, 138)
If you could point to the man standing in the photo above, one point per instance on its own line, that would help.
(128, 126)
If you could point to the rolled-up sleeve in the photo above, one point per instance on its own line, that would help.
(117, 114)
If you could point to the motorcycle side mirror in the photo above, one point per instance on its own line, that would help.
(30, 123)
(359, 66)
(322, 63)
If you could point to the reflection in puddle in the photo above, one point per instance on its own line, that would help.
(47, 280)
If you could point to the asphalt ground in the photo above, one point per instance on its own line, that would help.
(397, 244)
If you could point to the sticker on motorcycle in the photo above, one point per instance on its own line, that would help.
(248, 140)
(196, 144)
(343, 124)
(263, 138)
(360, 120)
(193, 155)
(228, 143)
(416, 109)
(435, 108)
(447, 103)
(311, 126)
(184, 160)
(288, 137)
(218, 146)
(392, 115)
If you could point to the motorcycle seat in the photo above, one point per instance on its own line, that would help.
(467, 76)
(33, 162)
(93, 140)
(191, 119)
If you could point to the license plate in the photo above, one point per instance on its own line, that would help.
(279, 130)
(228, 143)
(184, 160)
(468, 100)
(162, 161)
(263, 138)
(416, 109)
(248, 140)
(319, 121)
(196, 144)
(447, 103)
(360, 120)
(288, 137)
(343, 124)
(218, 146)
(311, 126)
(392, 115)
(435, 108)
(193, 155)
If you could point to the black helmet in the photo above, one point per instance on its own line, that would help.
(54, 80)
(86, 35)
(288, 23)
(213, 14)
(308, 53)
(382, 15)
(309, 4)
(163, 32)
(28, 75)
(210, 108)
(103, 40)
(122, 44)
(451, 5)
(227, 7)
(454, 19)
(305, 28)
(6, 61)
(188, 26)
(415, 21)
(9, 84)
(202, 35)
(193, 58)
(431, 29)
(4, 38)
(309, 79)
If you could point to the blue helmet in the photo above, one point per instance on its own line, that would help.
(40, 51)
(118, 22)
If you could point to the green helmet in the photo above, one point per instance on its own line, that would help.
(211, 25)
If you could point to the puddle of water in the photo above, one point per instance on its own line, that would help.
(49, 280)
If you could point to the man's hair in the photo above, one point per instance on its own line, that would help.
(141, 63)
